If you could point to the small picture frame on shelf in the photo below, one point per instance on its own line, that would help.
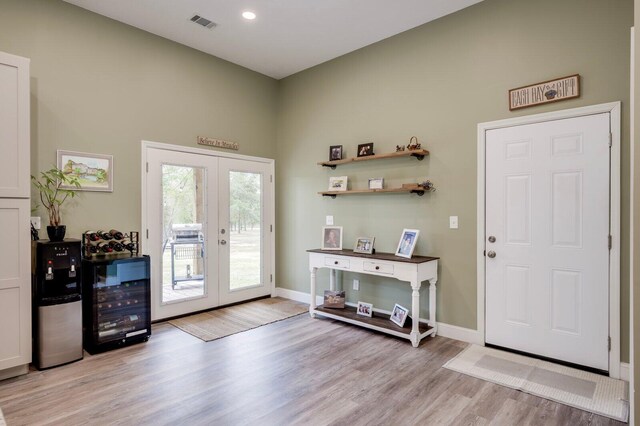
(365, 149)
(334, 299)
(376, 183)
(338, 183)
(335, 152)
(365, 309)
(364, 245)
(399, 315)
(332, 238)
(407, 243)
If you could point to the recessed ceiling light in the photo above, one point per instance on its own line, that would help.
(249, 15)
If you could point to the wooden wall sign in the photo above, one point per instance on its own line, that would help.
(219, 143)
(555, 90)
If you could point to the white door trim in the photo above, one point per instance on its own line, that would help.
(179, 148)
(614, 255)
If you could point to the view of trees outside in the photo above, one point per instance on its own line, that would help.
(183, 203)
(245, 208)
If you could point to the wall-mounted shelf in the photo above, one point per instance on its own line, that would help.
(411, 190)
(418, 153)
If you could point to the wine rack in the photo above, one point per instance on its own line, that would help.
(105, 244)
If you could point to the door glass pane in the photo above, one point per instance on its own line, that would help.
(183, 228)
(245, 234)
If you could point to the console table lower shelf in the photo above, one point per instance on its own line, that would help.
(379, 322)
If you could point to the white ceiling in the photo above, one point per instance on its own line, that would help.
(286, 37)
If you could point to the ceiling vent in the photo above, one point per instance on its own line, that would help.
(203, 21)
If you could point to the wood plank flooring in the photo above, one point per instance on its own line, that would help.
(299, 371)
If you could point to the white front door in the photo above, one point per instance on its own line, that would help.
(209, 223)
(546, 240)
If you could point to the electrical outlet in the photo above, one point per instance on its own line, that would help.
(329, 220)
(356, 284)
(453, 222)
(35, 220)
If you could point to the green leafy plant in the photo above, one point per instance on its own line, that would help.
(52, 195)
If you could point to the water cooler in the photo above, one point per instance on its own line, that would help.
(57, 302)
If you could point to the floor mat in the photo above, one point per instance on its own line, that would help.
(212, 325)
(581, 389)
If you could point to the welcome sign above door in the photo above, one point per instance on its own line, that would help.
(555, 90)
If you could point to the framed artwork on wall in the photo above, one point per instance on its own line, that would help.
(94, 171)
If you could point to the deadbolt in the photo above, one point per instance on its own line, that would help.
(492, 239)
(223, 242)
(491, 254)
(222, 231)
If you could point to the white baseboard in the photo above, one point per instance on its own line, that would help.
(444, 330)
(624, 371)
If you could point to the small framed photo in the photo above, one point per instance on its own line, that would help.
(364, 245)
(399, 315)
(365, 309)
(332, 238)
(334, 299)
(338, 183)
(376, 183)
(365, 149)
(335, 152)
(94, 171)
(407, 243)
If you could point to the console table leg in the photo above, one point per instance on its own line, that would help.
(432, 305)
(415, 311)
(312, 293)
(332, 279)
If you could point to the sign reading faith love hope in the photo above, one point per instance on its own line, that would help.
(555, 90)
(219, 143)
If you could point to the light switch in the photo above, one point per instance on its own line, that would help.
(329, 220)
(35, 220)
(453, 222)
(356, 284)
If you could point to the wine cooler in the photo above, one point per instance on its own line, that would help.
(116, 295)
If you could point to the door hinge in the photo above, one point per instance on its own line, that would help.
(484, 252)
(270, 278)
(147, 167)
(610, 242)
(271, 228)
(610, 139)
(147, 234)
(609, 342)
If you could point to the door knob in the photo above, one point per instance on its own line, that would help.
(223, 242)
(491, 254)
(492, 239)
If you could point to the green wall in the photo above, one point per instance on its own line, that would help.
(436, 82)
(100, 86)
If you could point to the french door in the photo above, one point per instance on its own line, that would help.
(209, 229)
(547, 228)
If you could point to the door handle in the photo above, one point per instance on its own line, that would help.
(491, 254)
(223, 242)
(492, 239)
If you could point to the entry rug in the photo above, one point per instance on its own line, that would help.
(580, 389)
(212, 325)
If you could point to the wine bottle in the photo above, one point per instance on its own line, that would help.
(117, 235)
(105, 235)
(92, 236)
(105, 248)
(116, 246)
(129, 246)
(93, 249)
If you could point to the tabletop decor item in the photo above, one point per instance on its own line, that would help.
(334, 299)
(399, 315)
(365, 309)
(364, 245)
(332, 238)
(52, 186)
(365, 149)
(413, 144)
(407, 243)
(376, 183)
(338, 183)
(335, 152)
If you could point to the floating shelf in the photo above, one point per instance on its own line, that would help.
(410, 190)
(418, 153)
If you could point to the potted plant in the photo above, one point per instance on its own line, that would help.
(53, 196)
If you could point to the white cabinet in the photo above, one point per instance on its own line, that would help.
(15, 248)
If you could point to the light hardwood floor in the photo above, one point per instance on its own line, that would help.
(298, 371)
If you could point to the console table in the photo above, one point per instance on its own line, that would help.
(413, 271)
